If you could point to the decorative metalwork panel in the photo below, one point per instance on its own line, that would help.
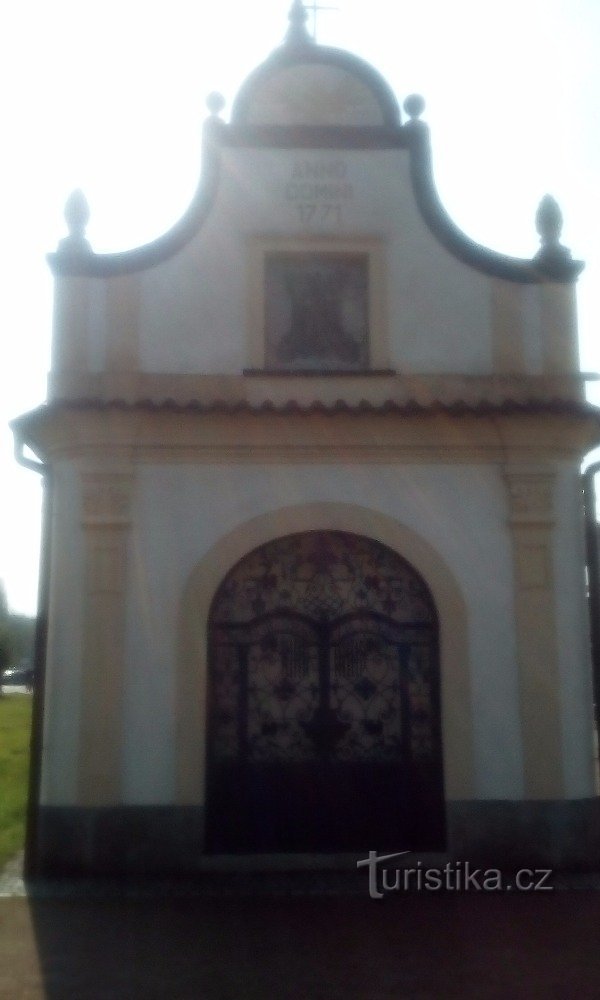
(317, 311)
(422, 706)
(225, 690)
(323, 709)
(283, 692)
(324, 575)
(366, 690)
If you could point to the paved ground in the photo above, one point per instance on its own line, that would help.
(290, 940)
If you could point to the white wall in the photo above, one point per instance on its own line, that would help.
(460, 510)
(193, 306)
(181, 512)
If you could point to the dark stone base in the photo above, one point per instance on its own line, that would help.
(562, 835)
(140, 840)
(169, 840)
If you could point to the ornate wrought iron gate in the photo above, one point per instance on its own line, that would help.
(323, 704)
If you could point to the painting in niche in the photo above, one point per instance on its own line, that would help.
(317, 311)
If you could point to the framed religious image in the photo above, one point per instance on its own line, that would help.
(316, 311)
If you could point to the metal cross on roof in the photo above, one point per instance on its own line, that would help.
(314, 8)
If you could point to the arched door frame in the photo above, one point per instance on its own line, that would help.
(191, 681)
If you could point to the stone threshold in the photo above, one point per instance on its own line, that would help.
(223, 877)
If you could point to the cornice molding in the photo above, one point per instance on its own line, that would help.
(288, 391)
(124, 434)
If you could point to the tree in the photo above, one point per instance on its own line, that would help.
(5, 646)
(16, 634)
(21, 631)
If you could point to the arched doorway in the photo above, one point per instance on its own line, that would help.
(324, 711)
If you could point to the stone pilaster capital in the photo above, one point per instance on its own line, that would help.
(106, 498)
(530, 494)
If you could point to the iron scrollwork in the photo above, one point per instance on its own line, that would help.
(327, 679)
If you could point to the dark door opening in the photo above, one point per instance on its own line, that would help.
(324, 728)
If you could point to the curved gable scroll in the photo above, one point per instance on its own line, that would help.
(70, 260)
(308, 96)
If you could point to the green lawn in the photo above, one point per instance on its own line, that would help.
(15, 724)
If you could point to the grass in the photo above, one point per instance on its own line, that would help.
(15, 726)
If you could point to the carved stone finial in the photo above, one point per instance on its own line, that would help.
(553, 259)
(215, 102)
(77, 214)
(414, 106)
(549, 221)
(297, 33)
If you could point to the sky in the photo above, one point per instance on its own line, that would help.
(110, 97)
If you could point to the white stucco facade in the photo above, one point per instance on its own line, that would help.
(313, 347)
(237, 495)
(175, 318)
(462, 512)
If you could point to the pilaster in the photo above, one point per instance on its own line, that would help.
(507, 326)
(106, 519)
(70, 325)
(122, 324)
(559, 328)
(531, 520)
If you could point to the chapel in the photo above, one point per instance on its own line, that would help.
(314, 559)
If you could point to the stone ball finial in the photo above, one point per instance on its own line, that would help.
(414, 106)
(77, 214)
(549, 221)
(215, 102)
